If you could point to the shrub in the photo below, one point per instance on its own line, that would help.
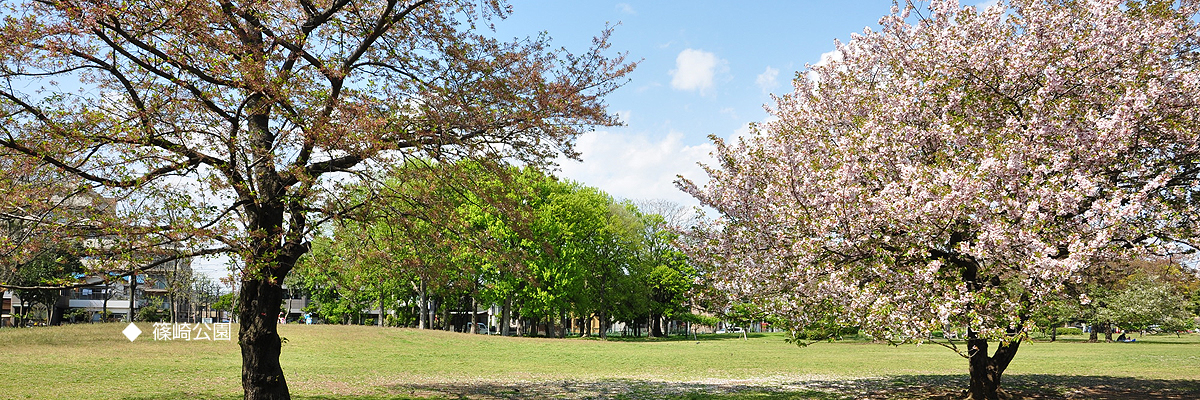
(152, 314)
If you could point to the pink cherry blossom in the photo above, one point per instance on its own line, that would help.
(956, 168)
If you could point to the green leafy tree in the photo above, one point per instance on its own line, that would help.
(226, 303)
(50, 268)
(668, 277)
(224, 121)
(1053, 314)
(1146, 300)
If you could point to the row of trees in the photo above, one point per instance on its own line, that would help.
(548, 252)
(1131, 296)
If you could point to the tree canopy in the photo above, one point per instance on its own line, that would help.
(956, 167)
(548, 251)
(218, 124)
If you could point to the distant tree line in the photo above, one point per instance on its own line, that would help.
(554, 256)
(1136, 295)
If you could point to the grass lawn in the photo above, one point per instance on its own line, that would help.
(359, 362)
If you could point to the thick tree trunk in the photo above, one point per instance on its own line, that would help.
(272, 254)
(603, 322)
(262, 376)
(1093, 334)
(656, 325)
(1108, 332)
(505, 322)
(986, 371)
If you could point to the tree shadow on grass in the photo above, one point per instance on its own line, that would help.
(913, 387)
(924, 387)
(608, 389)
(1029, 387)
(699, 338)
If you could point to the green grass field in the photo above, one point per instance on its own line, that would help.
(327, 362)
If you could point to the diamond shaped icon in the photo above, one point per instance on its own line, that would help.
(132, 331)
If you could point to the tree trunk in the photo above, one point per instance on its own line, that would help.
(656, 326)
(24, 315)
(505, 323)
(381, 305)
(1053, 333)
(1092, 334)
(446, 316)
(424, 312)
(474, 317)
(603, 322)
(132, 296)
(262, 376)
(986, 371)
(104, 309)
(272, 254)
(1108, 332)
(59, 307)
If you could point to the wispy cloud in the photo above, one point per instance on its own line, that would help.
(625, 8)
(768, 80)
(695, 70)
(634, 166)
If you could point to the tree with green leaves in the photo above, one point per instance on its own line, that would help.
(221, 123)
(1145, 301)
(668, 277)
(45, 270)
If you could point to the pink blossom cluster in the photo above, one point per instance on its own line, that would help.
(957, 167)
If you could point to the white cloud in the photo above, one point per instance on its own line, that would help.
(825, 59)
(626, 8)
(633, 166)
(768, 80)
(695, 70)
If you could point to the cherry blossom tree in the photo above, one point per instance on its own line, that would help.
(227, 126)
(957, 167)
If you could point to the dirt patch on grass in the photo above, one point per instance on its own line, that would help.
(934, 387)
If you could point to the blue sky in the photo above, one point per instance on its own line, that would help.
(707, 68)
